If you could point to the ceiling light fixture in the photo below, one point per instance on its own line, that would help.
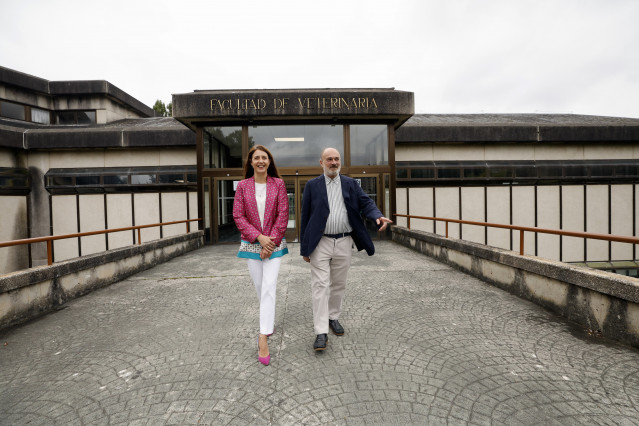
(289, 139)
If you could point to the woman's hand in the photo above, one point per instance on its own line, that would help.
(265, 254)
(266, 242)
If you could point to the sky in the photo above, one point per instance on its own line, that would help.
(456, 56)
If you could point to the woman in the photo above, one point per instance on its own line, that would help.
(260, 211)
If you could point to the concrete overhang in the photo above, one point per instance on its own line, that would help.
(470, 128)
(253, 106)
(128, 133)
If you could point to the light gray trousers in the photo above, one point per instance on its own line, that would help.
(330, 262)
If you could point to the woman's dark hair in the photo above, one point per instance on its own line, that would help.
(272, 168)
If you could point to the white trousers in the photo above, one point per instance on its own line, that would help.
(330, 262)
(264, 274)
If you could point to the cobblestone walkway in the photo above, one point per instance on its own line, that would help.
(424, 344)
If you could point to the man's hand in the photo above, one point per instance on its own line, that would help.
(306, 259)
(384, 222)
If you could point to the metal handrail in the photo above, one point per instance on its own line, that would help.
(49, 239)
(522, 229)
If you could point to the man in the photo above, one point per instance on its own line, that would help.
(332, 209)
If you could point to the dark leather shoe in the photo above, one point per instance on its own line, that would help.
(320, 342)
(336, 327)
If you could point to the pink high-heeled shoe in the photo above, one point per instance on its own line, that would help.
(264, 360)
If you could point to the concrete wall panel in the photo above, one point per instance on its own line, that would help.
(573, 220)
(473, 208)
(494, 152)
(132, 158)
(73, 159)
(401, 206)
(498, 211)
(457, 152)
(177, 157)
(92, 219)
(447, 200)
(621, 220)
(147, 211)
(173, 208)
(597, 220)
(548, 217)
(608, 151)
(13, 226)
(64, 222)
(524, 215)
(119, 215)
(414, 152)
(421, 204)
(558, 152)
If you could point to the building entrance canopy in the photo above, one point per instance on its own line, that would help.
(327, 104)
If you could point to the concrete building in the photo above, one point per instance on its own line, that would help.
(83, 155)
(79, 156)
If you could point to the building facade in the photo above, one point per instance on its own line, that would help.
(79, 156)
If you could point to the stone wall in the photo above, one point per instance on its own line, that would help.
(604, 303)
(27, 294)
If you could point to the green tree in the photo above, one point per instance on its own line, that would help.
(163, 110)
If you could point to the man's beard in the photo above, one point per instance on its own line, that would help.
(332, 172)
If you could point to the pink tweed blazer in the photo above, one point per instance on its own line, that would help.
(247, 218)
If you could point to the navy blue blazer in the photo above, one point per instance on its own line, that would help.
(315, 213)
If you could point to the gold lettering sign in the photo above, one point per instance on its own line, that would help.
(281, 104)
(237, 104)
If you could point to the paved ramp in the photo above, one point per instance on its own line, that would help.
(424, 344)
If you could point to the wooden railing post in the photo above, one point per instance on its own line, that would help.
(139, 237)
(49, 252)
(521, 242)
(446, 229)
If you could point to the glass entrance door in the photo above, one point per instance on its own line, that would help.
(371, 186)
(295, 189)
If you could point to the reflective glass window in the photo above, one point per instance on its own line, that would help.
(448, 173)
(65, 117)
(86, 117)
(142, 179)
(116, 180)
(11, 110)
(550, 171)
(626, 170)
(172, 178)
(576, 171)
(299, 145)
(191, 177)
(401, 173)
(222, 147)
(422, 173)
(526, 172)
(60, 180)
(475, 172)
(41, 116)
(601, 170)
(500, 172)
(369, 144)
(87, 180)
